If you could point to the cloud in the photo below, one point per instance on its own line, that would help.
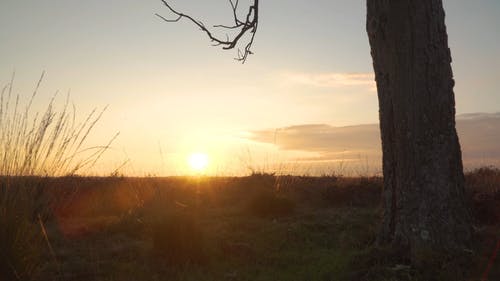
(333, 79)
(479, 135)
(480, 138)
(328, 142)
(477, 116)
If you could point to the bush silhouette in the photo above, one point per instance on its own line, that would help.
(266, 203)
(178, 239)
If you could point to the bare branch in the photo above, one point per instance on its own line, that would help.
(249, 25)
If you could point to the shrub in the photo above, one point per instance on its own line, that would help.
(483, 180)
(483, 190)
(178, 239)
(22, 246)
(267, 203)
(486, 209)
(357, 192)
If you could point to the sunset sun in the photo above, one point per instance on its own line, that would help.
(198, 161)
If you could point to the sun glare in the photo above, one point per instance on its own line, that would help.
(198, 161)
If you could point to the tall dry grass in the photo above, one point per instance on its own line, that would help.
(34, 145)
(49, 143)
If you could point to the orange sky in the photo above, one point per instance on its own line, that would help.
(171, 94)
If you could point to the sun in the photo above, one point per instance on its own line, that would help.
(198, 161)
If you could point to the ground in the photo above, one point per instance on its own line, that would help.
(260, 227)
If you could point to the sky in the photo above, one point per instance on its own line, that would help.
(171, 94)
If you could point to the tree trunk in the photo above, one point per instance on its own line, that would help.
(424, 200)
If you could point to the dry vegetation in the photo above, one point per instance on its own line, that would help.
(310, 228)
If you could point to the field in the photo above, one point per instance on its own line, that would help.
(259, 227)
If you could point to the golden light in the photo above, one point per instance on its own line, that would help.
(198, 161)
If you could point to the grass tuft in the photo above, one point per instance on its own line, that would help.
(34, 146)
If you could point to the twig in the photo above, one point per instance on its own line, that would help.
(249, 24)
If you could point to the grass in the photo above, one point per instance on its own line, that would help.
(32, 146)
(47, 144)
(185, 229)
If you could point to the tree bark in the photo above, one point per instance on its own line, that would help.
(424, 198)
